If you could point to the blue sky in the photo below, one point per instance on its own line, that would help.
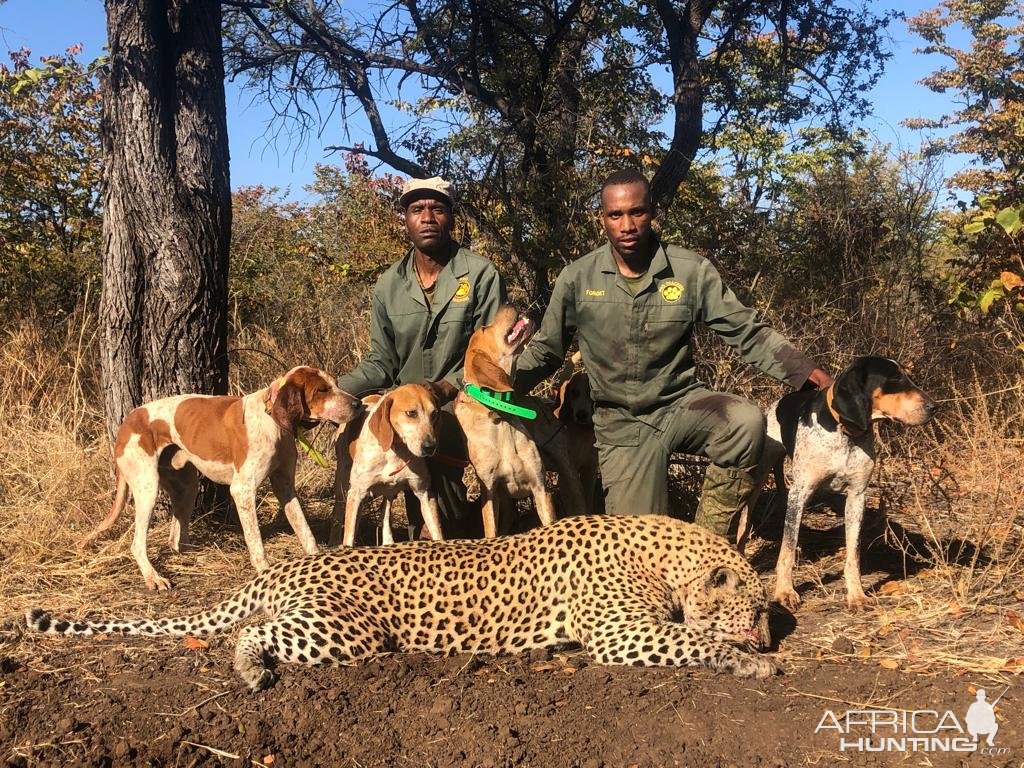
(50, 26)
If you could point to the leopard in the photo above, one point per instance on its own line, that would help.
(642, 591)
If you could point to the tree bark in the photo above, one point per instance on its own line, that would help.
(167, 204)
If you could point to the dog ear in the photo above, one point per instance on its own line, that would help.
(851, 398)
(721, 577)
(286, 407)
(380, 424)
(483, 371)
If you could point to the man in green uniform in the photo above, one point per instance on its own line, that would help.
(423, 310)
(634, 303)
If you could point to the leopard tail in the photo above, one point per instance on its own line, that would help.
(225, 614)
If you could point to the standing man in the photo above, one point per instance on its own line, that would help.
(634, 302)
(423, 310)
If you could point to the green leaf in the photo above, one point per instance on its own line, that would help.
(974, 227)
(1009, 219)
(988, 297)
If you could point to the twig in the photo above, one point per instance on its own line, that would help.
(193, 707)
(861, 704)
(214, 750)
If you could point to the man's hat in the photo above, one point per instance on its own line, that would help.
(435, 188)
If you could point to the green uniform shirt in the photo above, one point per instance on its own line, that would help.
(411, 341)
(638, 349)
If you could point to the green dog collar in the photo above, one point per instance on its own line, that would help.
(499, 401)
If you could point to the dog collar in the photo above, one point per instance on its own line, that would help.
(843, 427)
(499, 401)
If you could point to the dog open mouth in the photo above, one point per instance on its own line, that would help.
(519, 332)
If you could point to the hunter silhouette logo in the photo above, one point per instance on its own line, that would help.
(981, 717)
(671, 290)
(917, 730)
(462, 292)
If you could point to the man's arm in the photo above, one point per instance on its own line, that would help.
(545, 352)
(755, 342)
(379, 369)
(490, 296)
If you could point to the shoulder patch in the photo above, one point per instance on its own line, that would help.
(462, 292)
(671, 290)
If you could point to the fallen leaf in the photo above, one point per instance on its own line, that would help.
(886, 629)
(955, 609)
(889, 664)
(543, 667)
(1015, 621)
(569, 671)
(194, 643)
(865, 652)
(893, 588)
(1014, 663)
(269, 760)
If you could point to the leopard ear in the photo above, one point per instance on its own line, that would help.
(380, 424)
(722, 577)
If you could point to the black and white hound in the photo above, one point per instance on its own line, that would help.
(829, 437)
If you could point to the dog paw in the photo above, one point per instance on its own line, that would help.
(787, 598)
(858, 601)
(157, 582)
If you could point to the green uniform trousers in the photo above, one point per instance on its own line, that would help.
(634, 450)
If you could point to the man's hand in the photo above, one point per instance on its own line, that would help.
(820, 379)
(443, 390)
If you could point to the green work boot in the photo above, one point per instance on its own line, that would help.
(722, 499)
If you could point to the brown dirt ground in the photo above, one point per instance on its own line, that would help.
(156, 702)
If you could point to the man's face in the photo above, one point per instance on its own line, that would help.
(429, 224)
(626, 213)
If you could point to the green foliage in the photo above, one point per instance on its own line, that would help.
(989, 127)
(49, 188)
(526, 106)
(288, 257)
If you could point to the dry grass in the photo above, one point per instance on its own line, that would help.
(946, 561)
(948, 569)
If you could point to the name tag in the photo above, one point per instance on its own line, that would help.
(592, 292)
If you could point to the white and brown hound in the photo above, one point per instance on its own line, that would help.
(234, 441)
(389, 455)
(830, 438)
(503, 449)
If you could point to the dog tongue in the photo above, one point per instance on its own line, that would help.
(517, 329)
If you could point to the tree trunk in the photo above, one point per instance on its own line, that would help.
(167, 204)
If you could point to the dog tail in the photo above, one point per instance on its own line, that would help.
(244, 603)
(120, 501)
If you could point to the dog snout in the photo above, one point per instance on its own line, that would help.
(429, 446)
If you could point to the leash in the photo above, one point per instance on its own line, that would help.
(307, 446)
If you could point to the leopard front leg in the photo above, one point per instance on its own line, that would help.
(647, 642)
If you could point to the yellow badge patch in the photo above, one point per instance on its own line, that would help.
(671, 290)
(592, 292)
(462, 292)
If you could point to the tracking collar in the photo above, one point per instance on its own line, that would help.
(499, 401)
